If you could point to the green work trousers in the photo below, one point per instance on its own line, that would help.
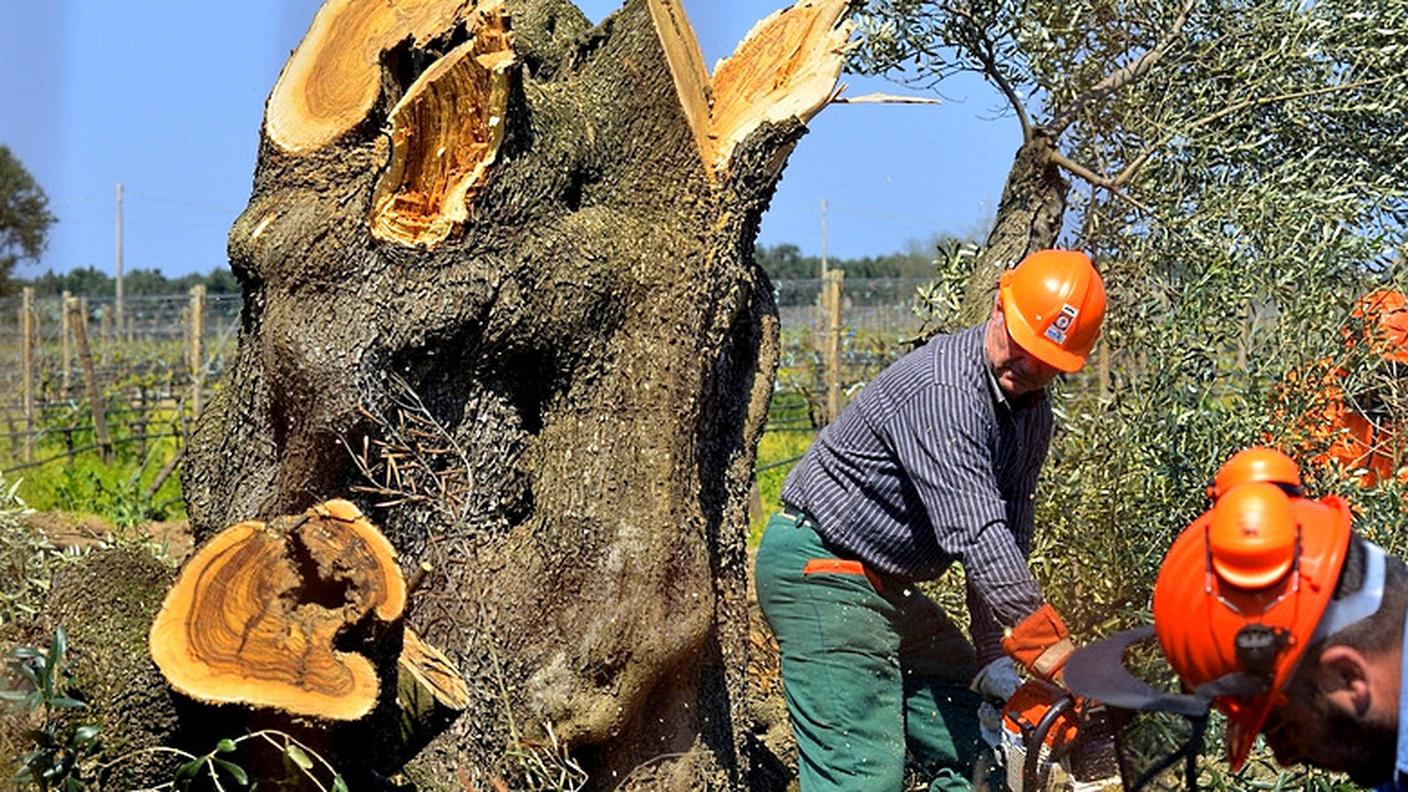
(872, 669)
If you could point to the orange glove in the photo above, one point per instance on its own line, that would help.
(1040, 642)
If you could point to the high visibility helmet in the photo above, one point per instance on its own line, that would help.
(1386, 313)
(1256, 464)
(1243, 590)
(1053, 303)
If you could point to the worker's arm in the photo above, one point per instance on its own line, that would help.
(950, 463)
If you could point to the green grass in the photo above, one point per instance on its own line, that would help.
(777, 453)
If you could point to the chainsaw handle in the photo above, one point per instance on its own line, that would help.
(1031, 767)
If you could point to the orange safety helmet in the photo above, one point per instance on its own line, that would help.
(1256, 464)
(1386, 313)
(1241, 594)
(1053, 303)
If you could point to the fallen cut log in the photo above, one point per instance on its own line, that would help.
(254, 615)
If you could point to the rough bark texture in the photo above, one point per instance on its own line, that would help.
(559, 403)
(1028, 219)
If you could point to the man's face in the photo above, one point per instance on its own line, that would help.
(1310, 729)
(1018, 372)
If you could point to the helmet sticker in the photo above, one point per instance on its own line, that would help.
(1056, 331)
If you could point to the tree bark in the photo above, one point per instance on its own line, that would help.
(1028, 219)
(537, 353)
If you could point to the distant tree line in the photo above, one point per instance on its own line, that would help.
(93, 282)
(784, 262)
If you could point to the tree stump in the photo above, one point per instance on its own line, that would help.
(499, 290)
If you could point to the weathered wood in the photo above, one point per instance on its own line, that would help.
(196, 352)
(66, 337)
(27, 368)
(832, 288)
(90, 380)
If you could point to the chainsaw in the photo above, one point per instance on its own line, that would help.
(1047, 740)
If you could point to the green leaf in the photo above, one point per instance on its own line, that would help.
(85, 734)
(338, 785)
(59, 647)
(236, 772)
(191, 768)
(64, 702)
(299, 758)
(225, 746)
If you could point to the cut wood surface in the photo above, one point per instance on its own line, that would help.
(429, 691)
(786, 67)
(253, 615)
(332, 80)
(445, 133)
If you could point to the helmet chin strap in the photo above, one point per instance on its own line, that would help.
(1098, 672)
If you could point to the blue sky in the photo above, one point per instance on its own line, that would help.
(167, 97)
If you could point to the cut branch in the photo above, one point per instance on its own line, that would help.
(754, 86)
(253, 615)
(334, 77)
(445, 133)
(786, 67)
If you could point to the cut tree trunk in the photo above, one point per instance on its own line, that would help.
(499, 291)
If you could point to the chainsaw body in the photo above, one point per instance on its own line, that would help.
(1045, 740)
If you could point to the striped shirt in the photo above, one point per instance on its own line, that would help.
(931, 465)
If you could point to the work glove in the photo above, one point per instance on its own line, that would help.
(1040, 643)
(997, 680)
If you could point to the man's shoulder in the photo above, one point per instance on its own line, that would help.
(947, 368)
(949, 359)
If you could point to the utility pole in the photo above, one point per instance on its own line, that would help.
(118, 284)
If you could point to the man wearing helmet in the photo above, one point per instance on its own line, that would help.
(934, 462)
(1271, 609)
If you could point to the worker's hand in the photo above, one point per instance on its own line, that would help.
(1040, 642)
(997, 680)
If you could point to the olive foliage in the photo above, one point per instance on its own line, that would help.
(1239, 171)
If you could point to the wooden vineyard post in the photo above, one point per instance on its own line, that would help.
(27, 368)
(831, 288)
(105, 328)
(64, 335)
(197, 329)
(90, 377)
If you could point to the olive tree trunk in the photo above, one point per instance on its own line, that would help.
(499, 291)
(1028, 219)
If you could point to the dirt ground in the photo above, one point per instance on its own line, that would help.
(63, 529)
